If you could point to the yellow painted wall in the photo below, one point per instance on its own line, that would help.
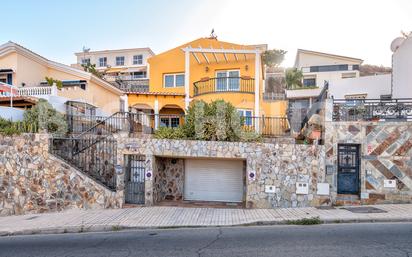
(173, 61)
(150, 100)
(29, 72)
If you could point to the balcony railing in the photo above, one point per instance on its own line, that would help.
(30, 91)
(269, 96)
(140, 123)
(372, 110)
(224, 85)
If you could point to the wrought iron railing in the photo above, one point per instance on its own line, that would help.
(268, 126)
(141, 123)
(372, 109)
(95, 156)
(224, 84)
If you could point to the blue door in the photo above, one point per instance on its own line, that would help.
(348, 169)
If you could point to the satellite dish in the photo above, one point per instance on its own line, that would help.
(396, 43)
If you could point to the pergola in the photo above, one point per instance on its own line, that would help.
(238, 55)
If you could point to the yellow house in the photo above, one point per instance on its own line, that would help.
(207, 69)
(27, 71)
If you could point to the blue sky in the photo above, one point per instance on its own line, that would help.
(57, 29)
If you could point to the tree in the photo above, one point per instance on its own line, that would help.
(45, 117)
(51, 81)
(88, 67)
(293, 78)
(274, 57)
(215, 121)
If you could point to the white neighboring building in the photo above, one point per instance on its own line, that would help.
(121, 67)
(402, 67)
(368, 87)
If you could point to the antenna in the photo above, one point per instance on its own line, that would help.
(85, 49)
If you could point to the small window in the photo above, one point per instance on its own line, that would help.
(355, 67)
(246, 116)
(85, 61)
(119, 60)
(309, 82)
(174, 80)
(102, 61)
(137, 59)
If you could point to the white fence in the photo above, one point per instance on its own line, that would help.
(30, 91)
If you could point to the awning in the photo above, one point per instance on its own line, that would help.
(135, 69)
(6, 71)
(113, 70)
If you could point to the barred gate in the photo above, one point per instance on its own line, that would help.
(134, 179)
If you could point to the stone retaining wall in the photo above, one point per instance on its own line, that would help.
(279, 165)
(34, 181)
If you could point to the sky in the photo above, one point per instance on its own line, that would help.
(357, 28)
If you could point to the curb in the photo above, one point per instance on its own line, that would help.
(114, 228)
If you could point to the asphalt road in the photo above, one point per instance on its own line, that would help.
(366, 240)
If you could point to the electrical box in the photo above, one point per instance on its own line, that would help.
(389, 183)
(323, 189)
(270, 189)
(302, 188)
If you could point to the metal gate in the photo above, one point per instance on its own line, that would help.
(348, 169)
(134, 179)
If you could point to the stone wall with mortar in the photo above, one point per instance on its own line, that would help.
(386, 154)
(279, 165)
(168, 179)
(34, 181)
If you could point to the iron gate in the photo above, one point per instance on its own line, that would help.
(134, 179)
(348, 169)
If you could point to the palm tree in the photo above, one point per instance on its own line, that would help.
(293, 78)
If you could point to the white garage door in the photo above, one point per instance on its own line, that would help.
(213, 180)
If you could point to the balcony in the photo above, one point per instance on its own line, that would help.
(224, 85)
(270, 96)
(130, 84)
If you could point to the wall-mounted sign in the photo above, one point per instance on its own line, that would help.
(252, 175)
(149, 175)
(118, 169)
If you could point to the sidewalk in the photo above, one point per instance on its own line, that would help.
(173, 217)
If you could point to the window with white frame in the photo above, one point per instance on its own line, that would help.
(102, 61)
(119, 60)
(247, 116)
(137, 59)
(174, 80)
(228, 80)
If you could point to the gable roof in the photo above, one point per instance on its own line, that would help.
(11, 47)
(325, 55)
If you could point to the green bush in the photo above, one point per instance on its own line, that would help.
(8, 127)
(170, 133)
(215, 121)
(43, 116)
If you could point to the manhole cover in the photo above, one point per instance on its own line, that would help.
(364, 210)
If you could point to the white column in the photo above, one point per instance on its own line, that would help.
(187, 79)
(257, 89)
(156, 112)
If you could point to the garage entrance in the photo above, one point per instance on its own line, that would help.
(214, 180)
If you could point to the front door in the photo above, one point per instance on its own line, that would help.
(134, 179)
(348, 169)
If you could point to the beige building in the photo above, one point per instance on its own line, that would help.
(121, 67)
(27, 71)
